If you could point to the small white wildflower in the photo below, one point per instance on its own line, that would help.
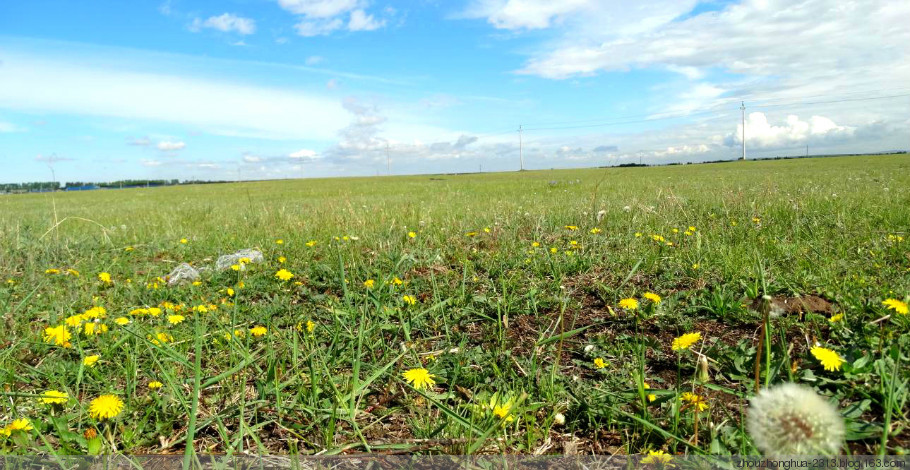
(589, 348)
(559, 419)
(791, 419)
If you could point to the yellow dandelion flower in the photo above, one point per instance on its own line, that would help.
(282, 259)
(155, 385)
(657, 457)
(184, 241)
(409, 299)
(105, 407)
(628, 303)
(638, 234)
(554, 249)
(20, 424)
(72, 272)
(595, 230)
(90, 361)
(154, 311)
(470, 234)
(369, 283)
(535, 244)
(829, 359)
(175, 319)
(104, 277)
(412, 234)
(235, 267)
(686, 341)
(310, 326)
(279, 242)
(311, 243)
(259, 331)
(54, 397)
(52, 271)
(122, 321)
(694, 400)
(571, 227)
(284, 275)
(93, 328)
(651, 396)
(836, 318)
(230, 292)
(128, 249)
(652, 297)
(397, 282)
(896, 305)
(57, 335)
(419, 378)
(599, 363)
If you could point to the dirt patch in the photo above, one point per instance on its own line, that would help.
(797, 305)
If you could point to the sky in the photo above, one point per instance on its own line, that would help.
(103, 90)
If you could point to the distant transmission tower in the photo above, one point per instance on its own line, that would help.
(521, 156)
(388, 159)
(742, 109)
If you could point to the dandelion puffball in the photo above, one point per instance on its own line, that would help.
(791, 419)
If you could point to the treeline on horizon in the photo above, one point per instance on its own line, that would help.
(46, 186)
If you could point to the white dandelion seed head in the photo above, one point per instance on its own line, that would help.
(589, 348)
(559, 419)
(791, 419)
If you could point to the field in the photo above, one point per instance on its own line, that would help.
(511, 290)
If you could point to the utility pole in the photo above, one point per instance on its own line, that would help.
(521, 156)
(742, 108)
(639, 157)
(807, 150)
(388, 159)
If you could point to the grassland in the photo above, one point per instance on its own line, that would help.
(516, 282)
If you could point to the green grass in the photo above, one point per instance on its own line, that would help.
(498, 321)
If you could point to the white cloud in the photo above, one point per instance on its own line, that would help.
(760, 133)
(252, 158)
(361, 21)
(227, 22)
(303, 154)
(753, 37)
(323, 17)
(320, 8)
(331, 84)
(170, 146)
(314, 60)
(146, 162)
(527, 14)
(311, 28)
(214, 106)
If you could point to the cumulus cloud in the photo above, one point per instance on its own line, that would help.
(361, 21)
(793, 131)
(320, 8)
(170, 146)
(323, 17)
(227, 22)
(303, 154)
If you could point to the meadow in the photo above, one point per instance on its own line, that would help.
(615, 310)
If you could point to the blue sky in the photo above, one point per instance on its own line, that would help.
(257, 89)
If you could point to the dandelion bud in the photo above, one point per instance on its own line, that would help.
(792, 419)
(703, 375)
